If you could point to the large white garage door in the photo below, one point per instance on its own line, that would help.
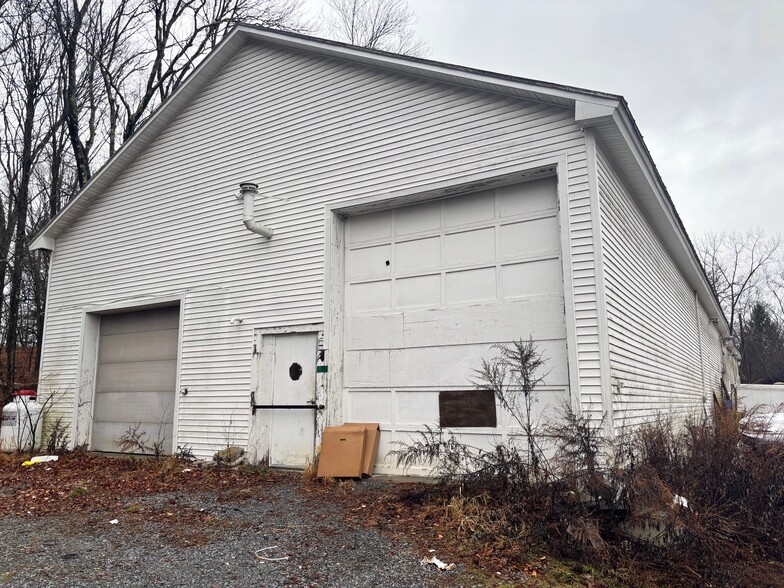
(431, 287)
(136, 377)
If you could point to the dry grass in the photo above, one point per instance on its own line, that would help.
(310, 472)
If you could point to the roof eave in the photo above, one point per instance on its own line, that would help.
(621, 118)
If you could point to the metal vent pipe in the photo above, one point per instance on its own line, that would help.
(248, 191)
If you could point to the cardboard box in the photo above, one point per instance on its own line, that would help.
(342, 452)
(372, 433)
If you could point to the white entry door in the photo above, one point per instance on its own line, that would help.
(293, 371)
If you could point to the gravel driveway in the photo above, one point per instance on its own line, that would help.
(205, 539)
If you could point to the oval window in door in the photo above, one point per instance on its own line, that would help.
(295, 371)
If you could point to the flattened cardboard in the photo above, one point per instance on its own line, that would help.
(342, 451)
(371, 445)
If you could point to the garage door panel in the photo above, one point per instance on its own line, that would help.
(485, 323)
(369, 406)
(469, 209)
(546, 408)
(416, 219)
(528, 198)
(140, 376)
(532, 278)
(418, 254)
(474, 285)
(139, 346)
(106, 434)
(418, 291)
(529, 238)
(370, 296)
(371, 227)
(147, 320)
(367, 369)
(540, 318)
(370, 262)
(135, 407)
(374, 331)
(416, 407)
(454, 365)
(476, 246)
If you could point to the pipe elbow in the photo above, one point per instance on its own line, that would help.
(254, 227)
(249, 191)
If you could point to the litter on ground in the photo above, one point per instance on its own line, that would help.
(434, 561)
(265, 558)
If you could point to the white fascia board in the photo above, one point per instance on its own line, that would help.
(42, 241)
(420, 67)
(590, 114)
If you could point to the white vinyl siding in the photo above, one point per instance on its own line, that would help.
(314, 131)
(711, 357)
(662, 358)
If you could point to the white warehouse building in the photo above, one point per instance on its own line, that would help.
(419, 212)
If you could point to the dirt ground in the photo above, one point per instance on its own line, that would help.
(89, 520)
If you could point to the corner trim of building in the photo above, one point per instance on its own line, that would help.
(601, 297)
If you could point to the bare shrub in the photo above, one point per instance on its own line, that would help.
(512, 375)
(135, 440)
(57, 438)
(184, 453)
(582, 457)
(735, 513)
(691, 498)
(501, 489)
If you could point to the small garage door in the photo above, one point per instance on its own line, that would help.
(431, 287)
(136, 377)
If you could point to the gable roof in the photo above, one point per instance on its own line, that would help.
(607, 114)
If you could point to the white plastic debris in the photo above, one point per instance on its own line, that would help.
(186, 470)
(678, 500)
(44, 458)
(114, 522)
(434, 561)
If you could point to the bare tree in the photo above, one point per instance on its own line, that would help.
(68, 20)
(387, 25)
(746, 270)
(122, 58)
(27, 77)
(78, 77)
(737, 266)
(182, 32)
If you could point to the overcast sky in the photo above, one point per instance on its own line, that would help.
(704, 80)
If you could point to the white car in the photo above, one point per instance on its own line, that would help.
(762, 428)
